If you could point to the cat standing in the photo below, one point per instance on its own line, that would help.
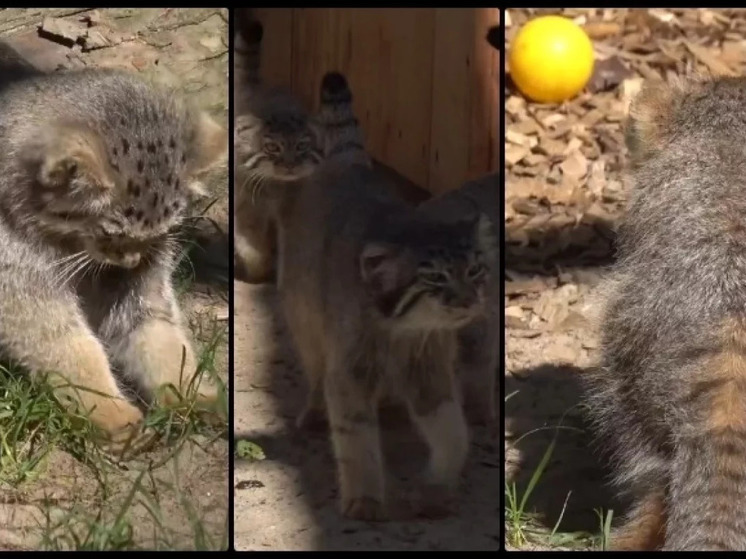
(275, 143)
(374, 292)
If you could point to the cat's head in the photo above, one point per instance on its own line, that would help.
(118, 190)
(433, 274)
(277, 140)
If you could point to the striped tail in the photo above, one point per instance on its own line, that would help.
(247, 55)
(707, 485)
(341, 131)
(492, 36)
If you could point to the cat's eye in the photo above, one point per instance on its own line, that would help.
(475, 271)
(271, 148)
(434, 276)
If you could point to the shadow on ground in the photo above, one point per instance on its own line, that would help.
(545, 404)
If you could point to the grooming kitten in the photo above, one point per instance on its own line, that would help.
(670, 396)
(96, 172)
(373, 292)
(275, 144)
(478, 341)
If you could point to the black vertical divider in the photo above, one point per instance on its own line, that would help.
(231, 441)
(501, 171)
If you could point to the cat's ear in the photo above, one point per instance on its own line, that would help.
(381, 268)
(209, 145)
(71, 156)
(485, 234)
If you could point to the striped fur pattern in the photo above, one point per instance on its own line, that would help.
(374, 292)
(341, 132)
(478, 341)
(669, 399)
(275, 143)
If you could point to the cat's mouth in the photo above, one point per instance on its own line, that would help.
(119, 259)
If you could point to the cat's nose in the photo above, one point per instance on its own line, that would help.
(463, 298)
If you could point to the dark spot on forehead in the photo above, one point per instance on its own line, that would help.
(160, 143)
(172, 142)
(129, 212)
(139, 146)
(133, 188)
(114, 151)
(147, 182)
(166, 211)
(139, 215)
(125, 146)
(140, 166)
(176, 183)
(155, 199)
(151, 147)
(147, 223)
(168, 179)
(183, 157)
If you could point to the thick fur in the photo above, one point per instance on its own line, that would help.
(478, 342)
(275, 142)
(669, 399)
(365, 324)
(96, 174)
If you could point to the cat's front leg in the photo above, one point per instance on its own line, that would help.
(353, 422)
(478, 370)
(434, 404)
(43, 329)
(155, 350)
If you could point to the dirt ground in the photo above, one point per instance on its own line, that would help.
(288, 501)
(564, 195)
(180, 501)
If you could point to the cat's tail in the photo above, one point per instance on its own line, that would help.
(707, 485)
(247, 53)
(492, 36)
(342, 136)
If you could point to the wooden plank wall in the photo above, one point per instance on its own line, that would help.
(424, 81)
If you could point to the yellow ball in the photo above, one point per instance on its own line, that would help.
(551, 59)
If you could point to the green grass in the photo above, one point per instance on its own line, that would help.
(34, 427)
(524, 528)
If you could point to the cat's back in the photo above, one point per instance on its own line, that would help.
(352, 197)
(96, 93)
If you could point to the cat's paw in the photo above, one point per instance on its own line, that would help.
(121, 430)
(364, 508)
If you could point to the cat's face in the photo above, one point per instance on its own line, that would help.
(283, 146)
(437, 281)
(118, 198)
